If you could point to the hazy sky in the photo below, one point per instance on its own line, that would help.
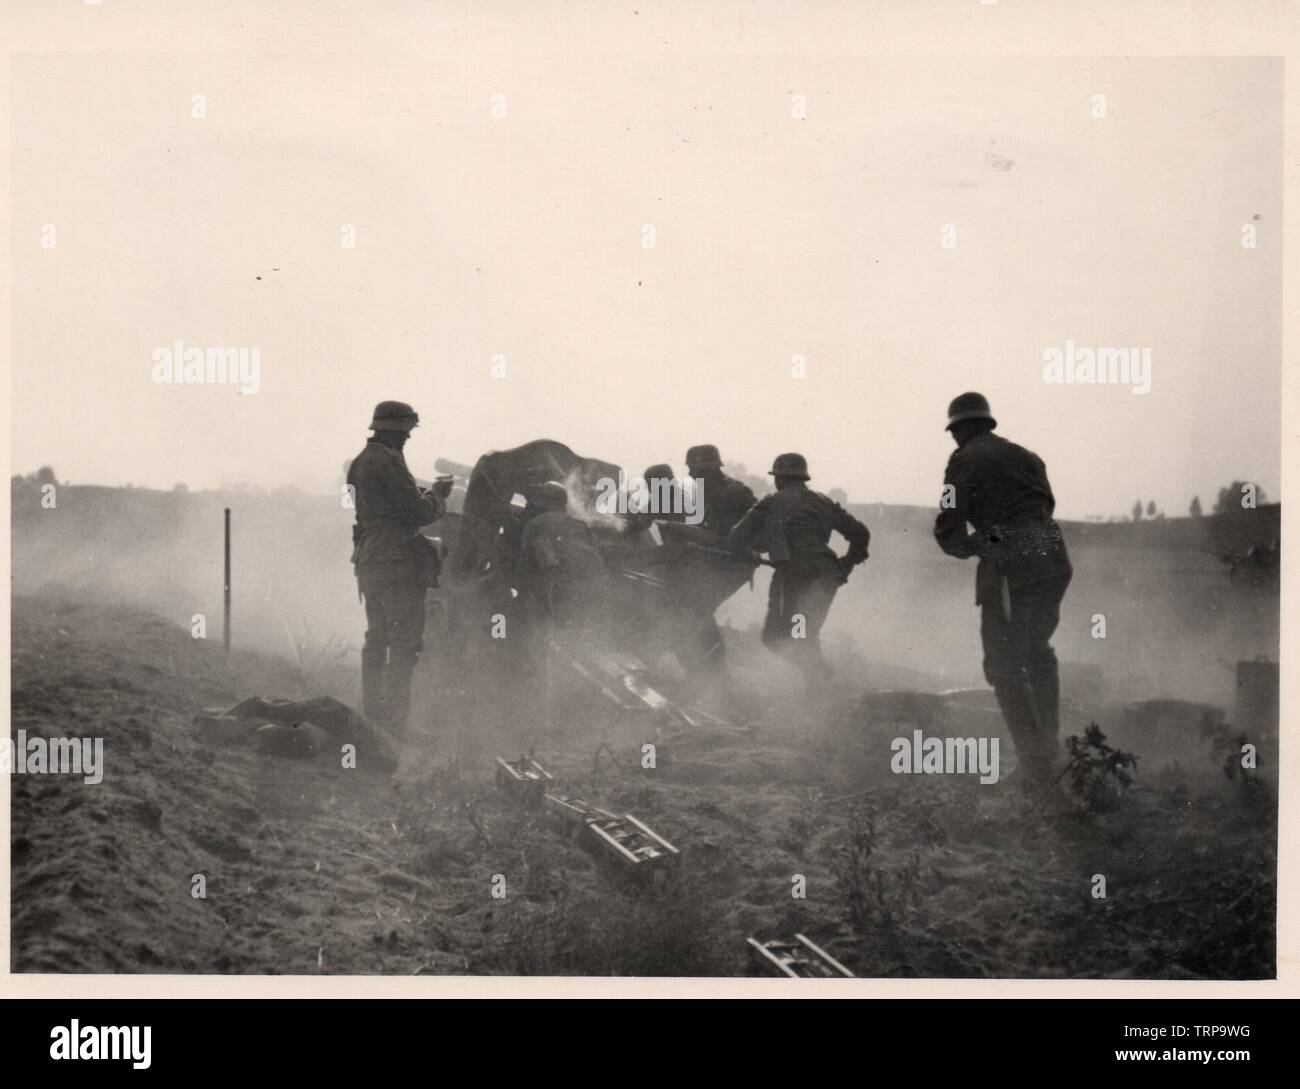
(523, 236)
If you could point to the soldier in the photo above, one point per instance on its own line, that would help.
(1001, 490)
(394, 563)
(793, 526)
(661, 501)
(663, 493)
(726, 501)
(558, 562)
(704, 576)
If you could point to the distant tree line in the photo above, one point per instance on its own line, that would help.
(1229, 501)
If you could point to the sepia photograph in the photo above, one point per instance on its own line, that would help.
(656, 492)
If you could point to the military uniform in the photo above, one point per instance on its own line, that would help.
(726, 502)
(793, 526)
(560, 562)
(1002, 490)
(703, 581)
(660, 502)
(392, 564)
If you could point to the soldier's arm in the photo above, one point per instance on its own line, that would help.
(1047, 487)
(722, 509)
(405, 498)
(539, 549)
(853, 531)
(746, 533)
(739, 504)
(432, 506)
(954, 509)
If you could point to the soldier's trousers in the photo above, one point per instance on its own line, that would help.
(797, 607)
(699, 597)
(1020, 664)
(394, 600)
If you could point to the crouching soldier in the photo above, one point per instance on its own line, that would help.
(394, 563)
(660, 501)
(1001, 490)
(793, 526)
(559, 565)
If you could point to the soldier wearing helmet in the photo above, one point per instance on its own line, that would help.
(793, 526)
(656, 497)
(1001, 491)
(558, 562)
(701, 576)
(394, 563)
(726, 501)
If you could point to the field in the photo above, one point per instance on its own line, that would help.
(313, 868)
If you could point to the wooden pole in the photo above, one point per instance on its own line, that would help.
(225, 627)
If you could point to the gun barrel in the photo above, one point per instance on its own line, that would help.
(452, 468)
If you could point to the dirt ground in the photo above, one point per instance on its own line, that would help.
(315, 868)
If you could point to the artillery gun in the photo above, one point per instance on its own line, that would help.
(626, 619)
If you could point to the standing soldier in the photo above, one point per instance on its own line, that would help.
(707, 577)
(726, 501)
(394, 563)
(793, 526)
(1001, 490)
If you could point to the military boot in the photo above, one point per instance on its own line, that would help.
(1046, 685)
(1020, 713)
(397, 692)
(372, 686)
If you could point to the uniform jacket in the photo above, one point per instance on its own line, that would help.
(555, 541)
(1001, 489)
(793, 526)
(726, 502)
(390, 506)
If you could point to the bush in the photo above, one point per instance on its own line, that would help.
(1098, 774)
(873, 896)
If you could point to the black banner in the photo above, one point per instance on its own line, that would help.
(341, 1037)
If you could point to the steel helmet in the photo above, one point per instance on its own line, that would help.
(969, 406)
(552, 495)
(703, 457)
(792, 465)
(394, 416)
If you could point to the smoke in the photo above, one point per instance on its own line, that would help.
(292, 584)
(1174, 624)
(1150, 613)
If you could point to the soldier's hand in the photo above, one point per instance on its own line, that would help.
(442, 487)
